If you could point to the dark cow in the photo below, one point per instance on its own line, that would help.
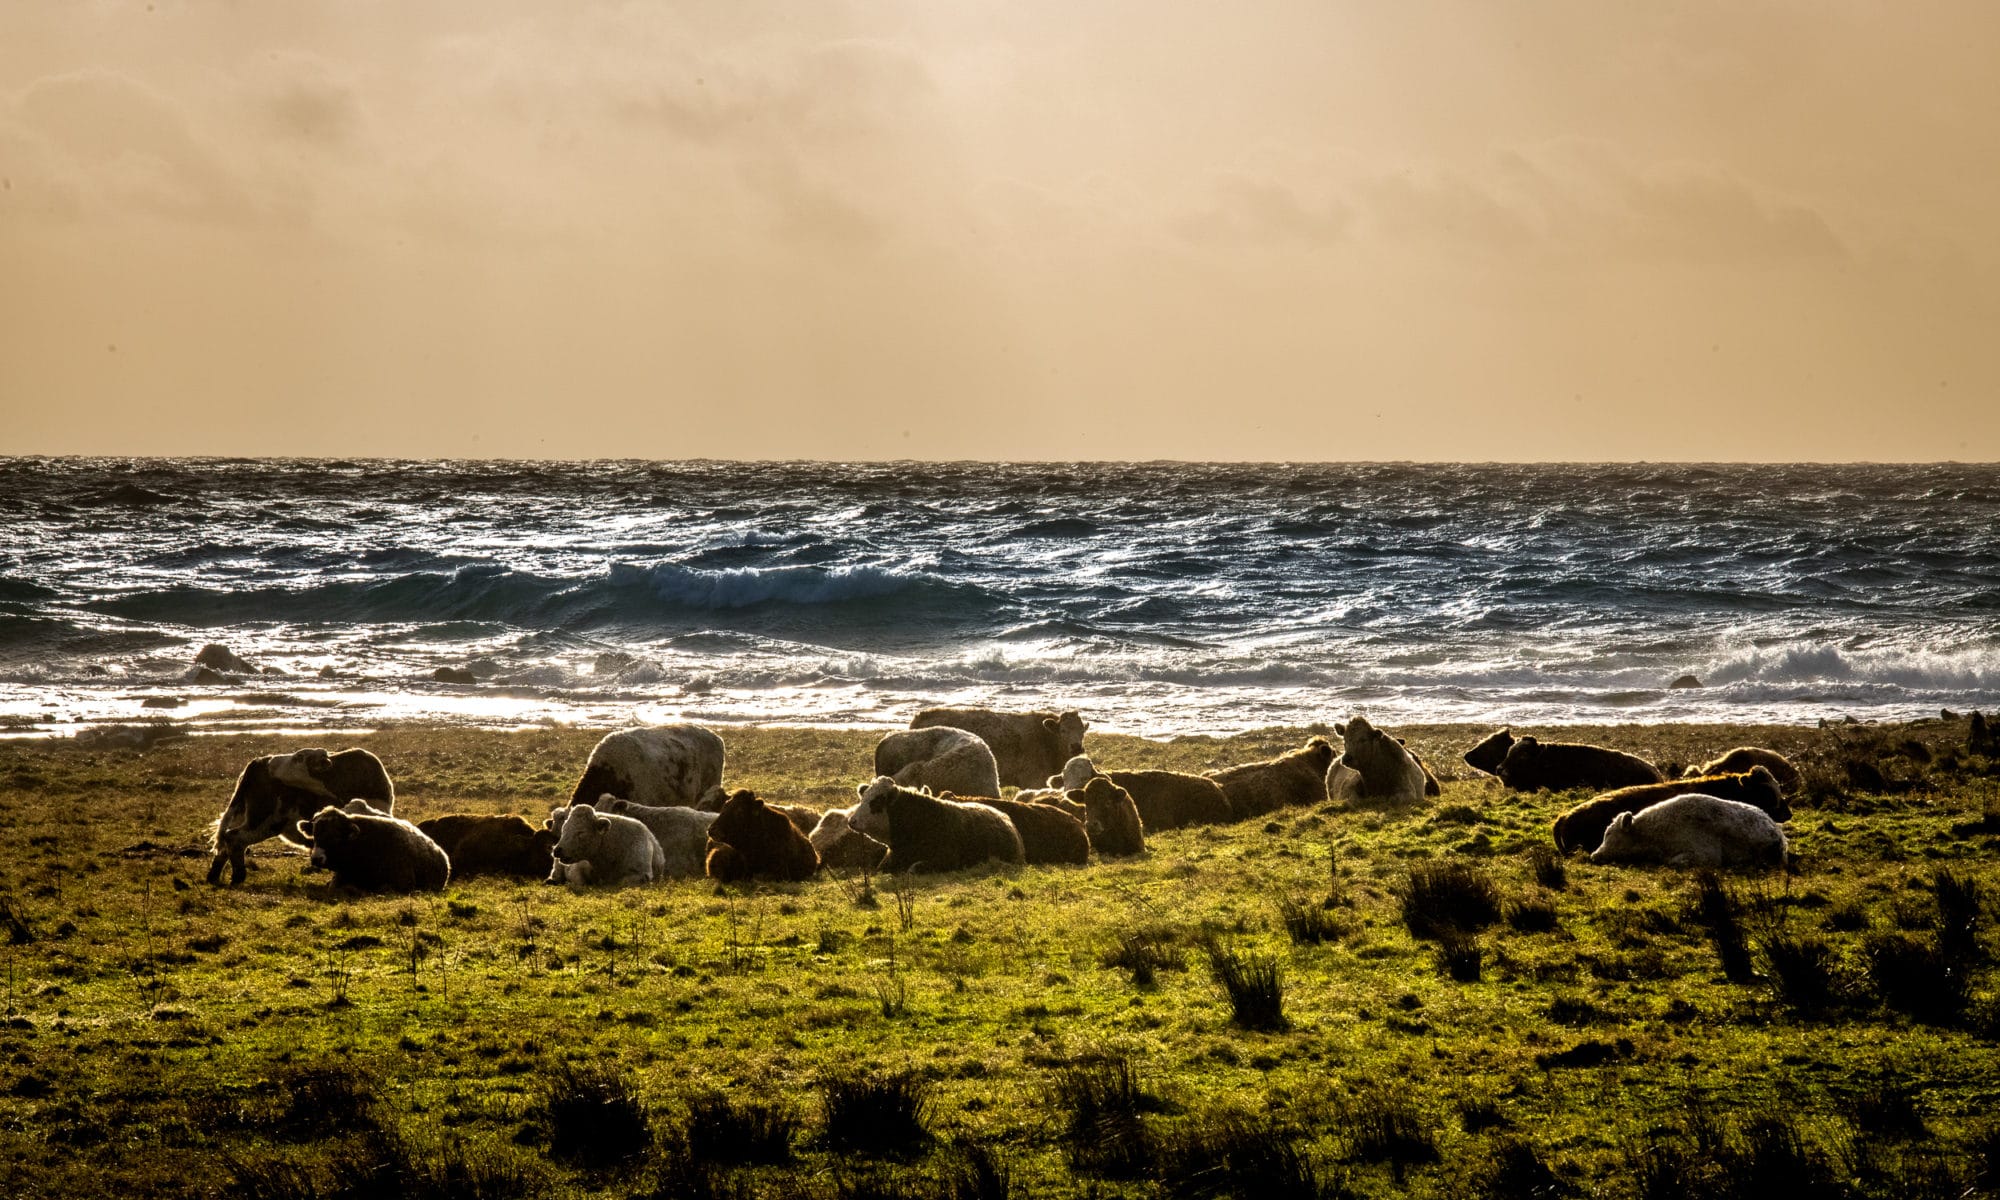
(752, 840)
(487, 845)
(371, 852)
(276, 792)
(1533, 765)
(1048, 834)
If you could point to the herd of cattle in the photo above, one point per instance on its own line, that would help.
(651, 805)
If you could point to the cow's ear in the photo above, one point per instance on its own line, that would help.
(306, 830)
(927, 789)
(1051, 724)
(603, 824)
(861, 789)
(1340, 727)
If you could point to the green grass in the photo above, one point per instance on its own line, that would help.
(165, 1037)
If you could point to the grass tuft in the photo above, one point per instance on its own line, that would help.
(1548, 868)
(591, 1116)
(1802, 972)
(1234, 1154)
(1915, 976)
(1309, 922)
(722, 1129)
(881, 1113)
(1384, 1125)
(1449, 895)
(1256, 987)
(1532, 914)
(1103, 1128)
(1460, 956)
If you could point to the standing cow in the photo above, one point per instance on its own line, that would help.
(662, 765)
(276, 792)
(1029, 747)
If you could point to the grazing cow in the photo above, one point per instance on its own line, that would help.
(1582, 827)
(843, 847)
(1295, 777)
(1742, 758)
(928, 833)
(487, 845)
(662, 765)
(681, 832)
(1695, 831)
(371, 852)
(1377, 768)
(752, 840)
(940, 758)
(1029, 747)
(1048, 834)
(1533, 765)
(276, 792)
(603, 849)
(1113, 821)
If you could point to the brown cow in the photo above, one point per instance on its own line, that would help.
(276, 792)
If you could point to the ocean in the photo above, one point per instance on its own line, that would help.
(1157, 598)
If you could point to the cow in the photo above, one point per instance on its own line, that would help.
(1695, 831)
(941, 758)
(603, 849)
(1029, 747)
(928, 833)
(372, 852)
(1112, 819)
(1164, 799)
(1048, 834)
(489, 845)
(1295, 777)
(1582, 827)
(1377, 768)
(843, 847)
(661, 765)
(1533, 765)
(276, 792)
(681, 832)
(752, 840)
(1742, 758)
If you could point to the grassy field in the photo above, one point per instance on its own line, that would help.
(1557, 1029)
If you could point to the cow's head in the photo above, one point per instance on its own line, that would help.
(328, 832)
(1068, 730)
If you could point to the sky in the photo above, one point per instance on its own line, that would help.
(1327, 230)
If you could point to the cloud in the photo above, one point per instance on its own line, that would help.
(1583, 197)
(105, 142)
(1251, 211)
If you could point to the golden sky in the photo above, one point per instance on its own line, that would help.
(1333, 229)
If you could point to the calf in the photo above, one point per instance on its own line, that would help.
(603, 849)
(1377, 768)
(274, 794)
(681, 832)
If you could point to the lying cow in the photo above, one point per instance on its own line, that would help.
(603, 849)
(1582, 827)
(662, 765)
(1164, 799)
(1743, 758)
(752, 840)
(1048, 834)
(681, 832)
(941, 758)
(1296, 777)
(1029, 747)
(488, 845)
(927, 833)
(1533, 765)
(1695, 831)
(1377, 768)
(372, 852)
(843, 847)
(275, 793)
